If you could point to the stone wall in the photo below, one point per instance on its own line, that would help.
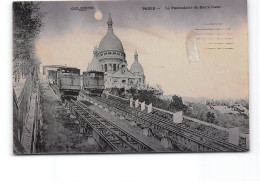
(26, 116)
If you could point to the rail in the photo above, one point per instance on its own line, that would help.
(118, 139)
(165, 126)
(163, 123)
(197, 132)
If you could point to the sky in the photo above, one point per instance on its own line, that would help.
(159, 36)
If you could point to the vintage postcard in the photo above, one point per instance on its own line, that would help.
(130, 77)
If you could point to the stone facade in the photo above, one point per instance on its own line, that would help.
(110, 54)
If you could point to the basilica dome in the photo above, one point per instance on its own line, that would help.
(136, 67)
(110, 42)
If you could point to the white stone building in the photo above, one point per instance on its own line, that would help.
(111, 56)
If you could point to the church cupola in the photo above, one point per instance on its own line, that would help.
(94, 65)
(136, 56)
(109, 22)
(136, 67)
(110, 42)
(95, 51)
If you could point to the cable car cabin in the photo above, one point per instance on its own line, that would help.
(68, 82)
(52, 76)
(93, 83)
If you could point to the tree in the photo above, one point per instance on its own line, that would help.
(27, 23)
(176, 104)
(210, 117)
(132, 91)
(121, 92)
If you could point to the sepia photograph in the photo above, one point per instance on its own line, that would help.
(120, 77)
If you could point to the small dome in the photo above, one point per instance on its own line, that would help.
(94, 65)
(110, 41)
(136, 67)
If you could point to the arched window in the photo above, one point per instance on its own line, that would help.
(105, 67)
(114, 67)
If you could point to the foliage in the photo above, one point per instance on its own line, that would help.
(204, 113)
(27, 23)
(177, 104)
(210, 117)
(245, 103)
(117, 91)
(152, 95)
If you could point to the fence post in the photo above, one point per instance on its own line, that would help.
(150, 108)
(131, 102)
(233, 136)
(177, 117)
(136, 103)
(143, 106)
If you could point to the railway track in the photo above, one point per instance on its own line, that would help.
(117, 139)
(55, 88)
(202, 138)
(212, 148)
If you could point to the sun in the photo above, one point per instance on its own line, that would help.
(98, 15)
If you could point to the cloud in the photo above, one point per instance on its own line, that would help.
(61, 19)
(162, 53)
